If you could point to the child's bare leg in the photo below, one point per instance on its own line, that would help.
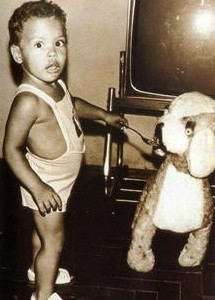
(51, 233)
(36, 245)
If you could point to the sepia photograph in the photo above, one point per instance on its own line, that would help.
(107, 136)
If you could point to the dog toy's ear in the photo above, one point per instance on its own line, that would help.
(201, 154)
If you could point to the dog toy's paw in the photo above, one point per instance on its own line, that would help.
(194, 251)
(190, 257)
(141, 261)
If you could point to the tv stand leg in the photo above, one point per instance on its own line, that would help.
(108, 142)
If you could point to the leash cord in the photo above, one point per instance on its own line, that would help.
(150, 142)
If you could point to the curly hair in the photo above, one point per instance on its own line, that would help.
(40, 9)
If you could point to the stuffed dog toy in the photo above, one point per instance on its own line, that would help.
(178, 198)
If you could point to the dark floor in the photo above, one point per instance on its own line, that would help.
(97, 239)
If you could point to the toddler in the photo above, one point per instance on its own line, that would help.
(44, 142)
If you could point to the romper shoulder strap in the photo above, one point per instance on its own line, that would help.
(64, 87)
(25, 87)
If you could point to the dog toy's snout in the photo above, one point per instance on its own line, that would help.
(159, 147)
(158, 132)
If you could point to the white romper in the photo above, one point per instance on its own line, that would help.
(59, 173)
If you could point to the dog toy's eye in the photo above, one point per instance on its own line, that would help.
(189, 128)
(188, 131)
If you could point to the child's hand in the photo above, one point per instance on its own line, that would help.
(46, 199)
(115, 120)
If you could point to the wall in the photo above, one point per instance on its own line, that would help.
(97, 34)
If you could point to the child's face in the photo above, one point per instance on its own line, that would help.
(42, 50)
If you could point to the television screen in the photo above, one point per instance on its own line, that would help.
(171, 47)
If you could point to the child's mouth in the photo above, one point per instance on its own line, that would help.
(53, 68)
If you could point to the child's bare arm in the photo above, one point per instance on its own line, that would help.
(22, 116)
(87, 110)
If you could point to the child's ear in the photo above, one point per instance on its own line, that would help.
(16, 54)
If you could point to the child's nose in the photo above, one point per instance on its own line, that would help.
(51, 51)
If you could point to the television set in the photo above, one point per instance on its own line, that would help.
(170, 50)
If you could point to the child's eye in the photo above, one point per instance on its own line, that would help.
(38, 45)
(60, 43)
